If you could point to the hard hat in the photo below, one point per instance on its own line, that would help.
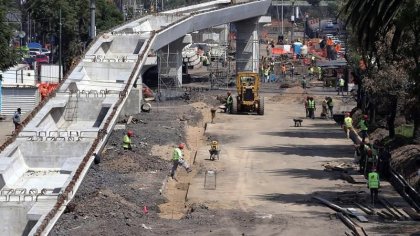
(365, 117)
(181, 145)
(130, 133)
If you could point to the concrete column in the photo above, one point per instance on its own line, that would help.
(247, 46)
(173, 62)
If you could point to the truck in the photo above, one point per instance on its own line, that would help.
(248, 97)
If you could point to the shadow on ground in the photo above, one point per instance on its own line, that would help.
(335, 151)
(324, 134)
(296, 198)
(305, 173)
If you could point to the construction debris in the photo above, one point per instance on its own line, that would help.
(347, 211)
(412, 213)
(336, 166)
(354, 179)
(357, 229)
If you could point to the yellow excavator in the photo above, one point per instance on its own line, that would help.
(248, 98)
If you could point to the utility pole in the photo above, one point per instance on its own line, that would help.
(282, 26)
(59, 52)
(293, 21)
(92, 19)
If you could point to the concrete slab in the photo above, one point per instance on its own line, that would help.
(39, 209)
(40, 179)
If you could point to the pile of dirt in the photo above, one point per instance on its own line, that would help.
(291, 95)
(123, 194)
(406, 160)
(114, 194)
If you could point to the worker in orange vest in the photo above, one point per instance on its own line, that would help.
(337, 47)
(44, 91)
(330, 46)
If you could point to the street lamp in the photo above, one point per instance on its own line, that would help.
(305, 25)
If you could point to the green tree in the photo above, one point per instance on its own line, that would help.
(8, 55)
(75, 23)
(395, 24)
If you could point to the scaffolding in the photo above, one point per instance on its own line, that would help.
(169, 70)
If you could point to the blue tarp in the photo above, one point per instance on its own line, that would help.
(34, 45)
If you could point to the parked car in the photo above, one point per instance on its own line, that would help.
(42, 58)
(33, 54)
(37, 50)
(45, 51)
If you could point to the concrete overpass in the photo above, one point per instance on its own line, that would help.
(297, 3)
(42, 167)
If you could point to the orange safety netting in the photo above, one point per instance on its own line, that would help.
(278, 51)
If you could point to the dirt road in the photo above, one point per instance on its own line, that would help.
(265, 178)
(269, 167)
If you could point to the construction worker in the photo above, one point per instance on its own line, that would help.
(371, 158)
(304, 83)
(363, 127)
(330, 45)
(229, 103)
(283, 70)
(313, 60)
(43, 91)
(16, 119)
(319, 70)
(178, 159)
(324, 113)
(214, 150)
(311, 107)
(267, 74)
(127, 140)
(341, 86)
(373, 185)
(330, 105)
(348, 124)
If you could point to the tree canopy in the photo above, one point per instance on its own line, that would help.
(8, 56)
(75, 22)
(388, 36)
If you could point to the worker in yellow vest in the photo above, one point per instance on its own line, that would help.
(178, 159)
(373, 185)
(127, 140)
(341, 83)
(311, 107)
(348, 124)
(364, 127)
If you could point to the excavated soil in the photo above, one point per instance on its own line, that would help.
(123, 194)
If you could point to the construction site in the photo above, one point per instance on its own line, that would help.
(166, 80)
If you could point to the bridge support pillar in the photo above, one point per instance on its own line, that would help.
(247, 45)
(171, 60)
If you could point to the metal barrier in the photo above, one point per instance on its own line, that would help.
(62, 135)
(21, 193)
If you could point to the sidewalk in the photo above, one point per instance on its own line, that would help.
(6, 129)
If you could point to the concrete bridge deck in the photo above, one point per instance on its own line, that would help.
(42, 169)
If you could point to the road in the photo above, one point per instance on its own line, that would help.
(272, 168)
